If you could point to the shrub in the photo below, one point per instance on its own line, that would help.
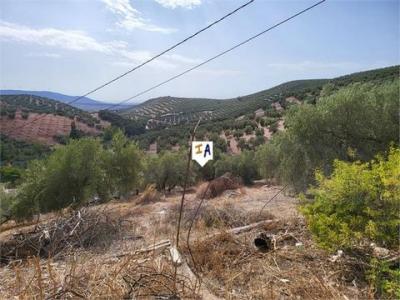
(242, 144)
(6, 201)
(25, 114)
(61, 139)
(273, 127)
(10, 174)
(150, 195)
(385, 280)
(248, 129)
(260, 132)
(357, 204)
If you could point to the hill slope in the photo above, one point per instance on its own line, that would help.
(174, 110)
(38, 119)
(84, 103)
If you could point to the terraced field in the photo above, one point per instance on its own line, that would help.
(37, 119)
(9, 104)
(174, 111)
(43, 130)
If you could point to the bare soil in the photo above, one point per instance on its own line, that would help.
(229, 266)
(43, 129)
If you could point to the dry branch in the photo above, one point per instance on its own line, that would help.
(83, 228)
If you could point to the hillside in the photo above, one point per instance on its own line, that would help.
(52, 119)
(235, 124)
(173, 110)
(85, 103)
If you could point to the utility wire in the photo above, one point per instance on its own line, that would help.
(212, 58)
(151, 59)
(219, 55)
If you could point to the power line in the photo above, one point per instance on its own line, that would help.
(152, 58)
(218, 55)
(214, 57)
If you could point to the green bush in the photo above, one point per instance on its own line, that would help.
(6, 201)
(358, 204)
(10, 174)
(384, 279)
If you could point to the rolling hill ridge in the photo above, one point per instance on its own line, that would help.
(84, 103)
(176, 110)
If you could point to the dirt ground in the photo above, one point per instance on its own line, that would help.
(43, 130)
(227, 265)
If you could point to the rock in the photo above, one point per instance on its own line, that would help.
(380, 252)
(334, 258)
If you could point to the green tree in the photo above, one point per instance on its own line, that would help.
(353, 123)
(166, 170)
(75, 133)
(70, 176)
(243, 166)
(248, 129)
(242, 144)
(10, 174)
(122, 162)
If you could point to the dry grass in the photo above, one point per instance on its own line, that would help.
(232, 267)
(150, 195)
(82, 229)
(221, 216)
(229, 265)
(93, 277)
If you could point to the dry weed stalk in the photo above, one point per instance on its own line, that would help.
(132, 277)
(84, 228)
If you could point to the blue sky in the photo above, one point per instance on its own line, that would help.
(72, 46)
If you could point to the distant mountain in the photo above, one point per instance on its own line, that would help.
(84, 103)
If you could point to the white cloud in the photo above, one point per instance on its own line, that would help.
(80, 41)
(66, 39)
(167, 61)
(130, 18)
(189, 4)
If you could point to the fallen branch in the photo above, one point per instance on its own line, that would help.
(242, 229)
(157, 247)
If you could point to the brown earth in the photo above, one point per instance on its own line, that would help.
(230, 267)
(43, 129)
